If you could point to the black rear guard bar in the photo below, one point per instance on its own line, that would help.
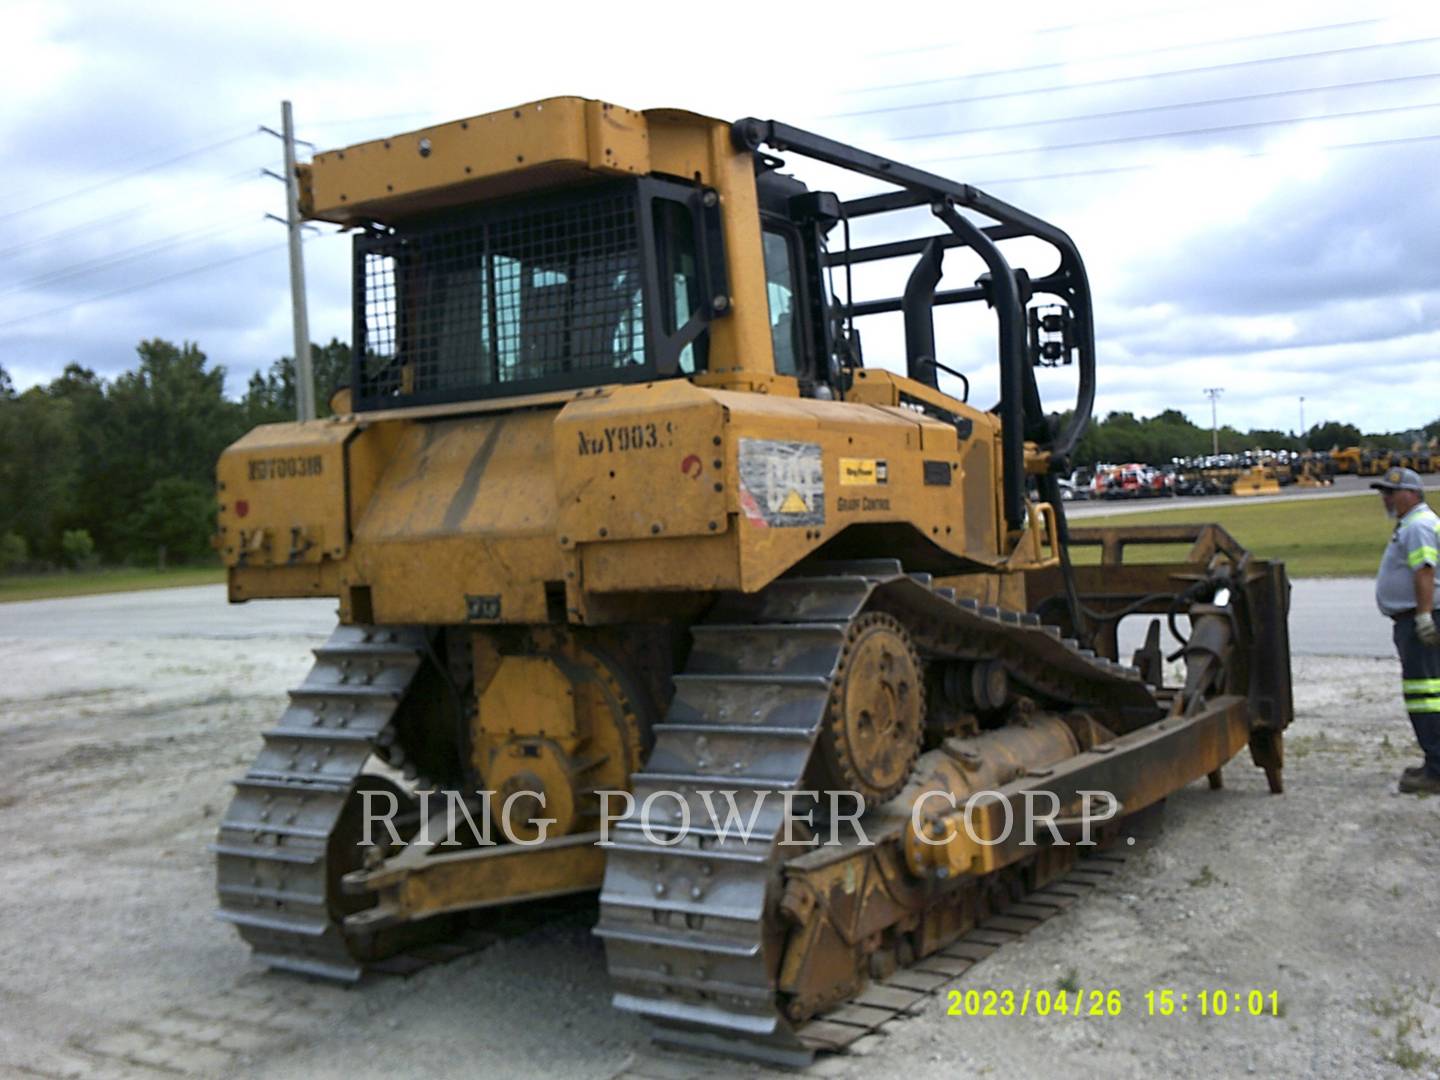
(1020, 408)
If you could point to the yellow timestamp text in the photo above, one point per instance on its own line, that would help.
(1212, 1002)
(1030, 1002)
(1110, 1004)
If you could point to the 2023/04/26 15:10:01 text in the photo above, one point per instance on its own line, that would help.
(1111, 1003)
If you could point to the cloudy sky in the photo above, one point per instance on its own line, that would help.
(1255, 187)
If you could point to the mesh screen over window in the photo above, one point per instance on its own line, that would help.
(549, 292)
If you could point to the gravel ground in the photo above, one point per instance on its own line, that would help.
(118, 752)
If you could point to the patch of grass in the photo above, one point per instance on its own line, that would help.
(1069, 982)
(1204, 879)
(1398, 1048)
(1385, 1007)
(1408, 1057)
(89, 582)
(1402, 1051)
(1341, 537)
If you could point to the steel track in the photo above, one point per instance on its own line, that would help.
(689, 916)
(279, 851)
(849, 1028)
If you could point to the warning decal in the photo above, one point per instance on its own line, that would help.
(782, 484)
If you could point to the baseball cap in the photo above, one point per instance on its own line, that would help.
(1398, 479)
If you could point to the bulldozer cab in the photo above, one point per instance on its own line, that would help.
(616, 282)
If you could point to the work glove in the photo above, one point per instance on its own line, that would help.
(1425, 629)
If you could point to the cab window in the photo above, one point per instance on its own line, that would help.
(780, 287)
(679, 277)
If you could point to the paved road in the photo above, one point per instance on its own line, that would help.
(1329, 617)
(1343, 486)
(200, 611)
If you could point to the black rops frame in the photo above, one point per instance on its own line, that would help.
(1007, 290)
(662, 348)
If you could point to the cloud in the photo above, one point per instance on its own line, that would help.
(1352, 232)
(1243, 257)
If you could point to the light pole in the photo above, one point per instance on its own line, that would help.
(1302, 416)
(1213, 393)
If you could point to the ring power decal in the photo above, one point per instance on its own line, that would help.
(782, 484)
(867, 471)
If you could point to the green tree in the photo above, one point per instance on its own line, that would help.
(77, 548)
(39, 465)
(1168, 435)
(167, 419)
(176, 519)
(270, 398)
(13, 551)
(83, 395)
(1332, 433)
(1270, 439)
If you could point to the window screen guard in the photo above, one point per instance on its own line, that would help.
(536, 294)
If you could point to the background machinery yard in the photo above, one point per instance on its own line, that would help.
(614, 503)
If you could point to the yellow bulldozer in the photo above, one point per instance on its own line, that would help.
(651, 583)
(1258, 480)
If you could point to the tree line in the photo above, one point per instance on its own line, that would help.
(123, 470)
(1157, 440)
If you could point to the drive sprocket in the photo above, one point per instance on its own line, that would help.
(876, 716)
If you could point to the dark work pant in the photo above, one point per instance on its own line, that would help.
(1420, 672)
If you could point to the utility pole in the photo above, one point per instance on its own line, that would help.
(304, 372)
(304, 369)
(1213, 393)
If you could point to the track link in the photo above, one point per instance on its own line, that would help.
(847, 1028)
(688, 914)
(281, 846)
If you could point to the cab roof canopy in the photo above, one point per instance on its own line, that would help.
(559, 141)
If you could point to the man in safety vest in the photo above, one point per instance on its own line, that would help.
(1406, 591)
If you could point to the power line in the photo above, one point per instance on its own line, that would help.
(1059, 28)
(365, 119)
(140, 251)
(1118, 80)
(1063, 28)
(1218, 129)
(1152, 51)
(1077, 174)
(106, 166)
(147, 284)
(127, 176)
(244, 176)
(1114, 113)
